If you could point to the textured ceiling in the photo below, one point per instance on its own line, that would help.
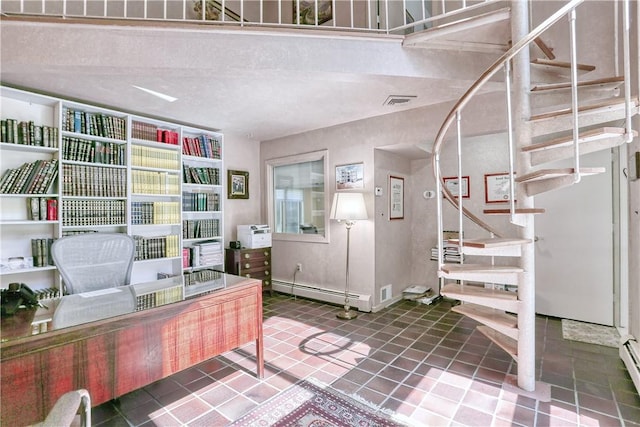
(255, 83)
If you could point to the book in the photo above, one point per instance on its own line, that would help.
(33, 208)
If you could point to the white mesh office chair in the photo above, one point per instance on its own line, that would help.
(66, 409)
(93, 261)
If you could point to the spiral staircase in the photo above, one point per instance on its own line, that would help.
(569, 115)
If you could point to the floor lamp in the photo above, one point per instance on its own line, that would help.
(348, 207)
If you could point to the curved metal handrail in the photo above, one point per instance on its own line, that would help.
(475, 87)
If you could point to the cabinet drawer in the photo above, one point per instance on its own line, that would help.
(252, 254)
(257, 274)
(254, 263)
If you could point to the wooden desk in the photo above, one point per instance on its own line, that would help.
(114, 356)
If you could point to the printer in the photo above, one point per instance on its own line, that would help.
(254, 236)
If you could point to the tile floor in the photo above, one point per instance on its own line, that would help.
(424, 362)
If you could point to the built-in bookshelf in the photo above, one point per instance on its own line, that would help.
(68, 167)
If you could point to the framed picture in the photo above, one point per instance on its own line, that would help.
(451, 183)
(237, 184)
(308, 11)
(350, 176)
(396, 197)
(497, 188)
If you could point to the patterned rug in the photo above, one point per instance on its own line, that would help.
(590, 333)
(308, 405)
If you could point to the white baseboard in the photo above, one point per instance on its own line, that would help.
(361, 302)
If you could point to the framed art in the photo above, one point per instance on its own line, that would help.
(350, 176)
(497, 188)
(237, 184)
(451, 183)
(307, 14)
(396, 197)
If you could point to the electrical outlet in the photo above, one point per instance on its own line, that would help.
(299, 266)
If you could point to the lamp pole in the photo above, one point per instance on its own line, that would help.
(347, 314)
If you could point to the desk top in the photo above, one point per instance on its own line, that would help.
(85, 308)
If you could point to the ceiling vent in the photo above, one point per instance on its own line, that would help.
(399, 99)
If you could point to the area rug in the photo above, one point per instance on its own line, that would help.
(590, 333)
(313, 405)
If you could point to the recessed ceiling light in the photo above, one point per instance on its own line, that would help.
(158, 94)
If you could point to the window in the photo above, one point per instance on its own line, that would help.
(297, 198)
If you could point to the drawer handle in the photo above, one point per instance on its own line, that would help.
(247, 256)
(266, 253)
(267, 282)
(266, 273)
(266, 262)
(247, 265)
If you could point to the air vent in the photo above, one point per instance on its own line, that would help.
(399, 99)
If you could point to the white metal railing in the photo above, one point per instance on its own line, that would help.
(378, 16)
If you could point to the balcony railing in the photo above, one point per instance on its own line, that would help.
(374, 16)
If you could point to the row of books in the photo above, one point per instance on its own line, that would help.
(158, 298)
(157, 247)
(93, 212)
(42, 209)
(151, 132)
(200, 202)
(95, 124)
(152, 157)
(84, 150)
(30, 178)
(200, 175)
(149, 182)
(203, 254)
(201, 276)
(198, 228)
(28, 133)
(155, 212)
(41, 252)
(93, 181)
(202, 146)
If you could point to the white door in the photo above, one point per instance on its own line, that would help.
(574, 251)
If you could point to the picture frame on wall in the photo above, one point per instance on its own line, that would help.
(349, 177)
(396, 197)
(497, 188)
(237, 184)
(451, 183)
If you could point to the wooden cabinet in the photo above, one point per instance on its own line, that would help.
(114, 356)
(253, 263)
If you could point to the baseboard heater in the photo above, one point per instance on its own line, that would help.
(630, 355)
(361, 302)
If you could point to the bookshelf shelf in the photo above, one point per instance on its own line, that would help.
(111, 166)
(7, 272)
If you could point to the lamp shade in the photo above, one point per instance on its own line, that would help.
(348, 207)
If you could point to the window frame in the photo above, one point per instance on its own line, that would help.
(294, 159)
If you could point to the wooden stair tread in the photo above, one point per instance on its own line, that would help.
(504, 342)
(591, 135)
(605, 82)
(561, 64)
(507, 211)
(458, 290)
(490, 242)
(548, 52)
(480, 268)
(502, 322)
(555, 173)
(583, 108)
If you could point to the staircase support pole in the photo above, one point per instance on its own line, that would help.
(522, 136)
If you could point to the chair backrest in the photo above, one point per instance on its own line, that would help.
(93, 261)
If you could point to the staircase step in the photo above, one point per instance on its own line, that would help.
(486, 32)
(507, 275)
(504, 342)
(544, 180)
(588, 115)
(545, 70)
(590, 141)
(606, 83)
(502, 322)
(519, 211)
(548, 52)
(473, 294)
(491, 246)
